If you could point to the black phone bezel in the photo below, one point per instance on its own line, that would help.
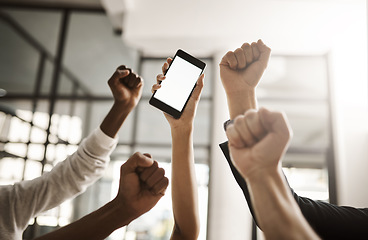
(166, 107)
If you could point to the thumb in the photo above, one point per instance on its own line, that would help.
(275, 122)
(198, 88)
(137, 160)
(264, 51)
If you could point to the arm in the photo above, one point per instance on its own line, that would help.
(85, 166)
(137, 195)
(126, 88)
(240, 72)
(257, 142)
(328, 220)
(184, 185)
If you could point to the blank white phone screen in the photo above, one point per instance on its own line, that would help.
(179, 82)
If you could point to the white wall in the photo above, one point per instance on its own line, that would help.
(349, 84)
(229, 214)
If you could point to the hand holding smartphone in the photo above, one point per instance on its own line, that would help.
(181, 79)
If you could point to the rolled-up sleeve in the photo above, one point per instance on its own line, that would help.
(67, 179)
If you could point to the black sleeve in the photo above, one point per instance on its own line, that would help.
(328, 220)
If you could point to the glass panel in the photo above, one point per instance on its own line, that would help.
(304, 160)
(36, 151)
(311, 183)
(38, 135)
(65, 86)
(18, 131)
(18, 149)
(41, 119)
(121, 153)
(50, 152)
(43, 107)
(11, 170)
(207, 89)
(160, 154)
(44, 25)
(19, 62)
(202, 123)
(33, 169)
(294, 77)
(47, 77)
(93, 54)
(14, 105)
(152, 125)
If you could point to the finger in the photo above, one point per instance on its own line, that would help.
(155, 177)
(160, 77)
(275, 122)
(135, 161)
(140, 169)
(132, 81)
(155, 87)
(166, 65)
(198, 88)
(254, 124)
(248, 52)
(160, 187)
(234, 137)
(118, 74)
(147, 172)
(244, 132)
(264, 51)
(138, 82)
(255, 51)
(240, 57)
(229, 60)
(147, 155)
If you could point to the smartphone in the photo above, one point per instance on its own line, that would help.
(176, 89)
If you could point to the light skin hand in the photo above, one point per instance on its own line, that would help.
(258, 140)
(240, 72)
(142, 184)
(187, 118)
(183, 181)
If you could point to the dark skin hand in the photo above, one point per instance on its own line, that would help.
(126, 87)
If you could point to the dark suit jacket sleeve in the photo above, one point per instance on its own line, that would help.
(328, 220)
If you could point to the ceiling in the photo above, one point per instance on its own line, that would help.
(205, 26)
(201, 27)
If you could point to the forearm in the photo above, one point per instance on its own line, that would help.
(96, 225)
(184, 185)
(115, 119)
(277, 212)
(238, 103)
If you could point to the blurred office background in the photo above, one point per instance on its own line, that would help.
(57, 55)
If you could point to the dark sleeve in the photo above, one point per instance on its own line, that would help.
(328, 220)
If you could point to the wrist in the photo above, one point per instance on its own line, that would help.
(182, 130)
(119, 214)
(123, 106)
(240, 102)
(262, 175)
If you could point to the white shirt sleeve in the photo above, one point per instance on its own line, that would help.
(24, 200)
